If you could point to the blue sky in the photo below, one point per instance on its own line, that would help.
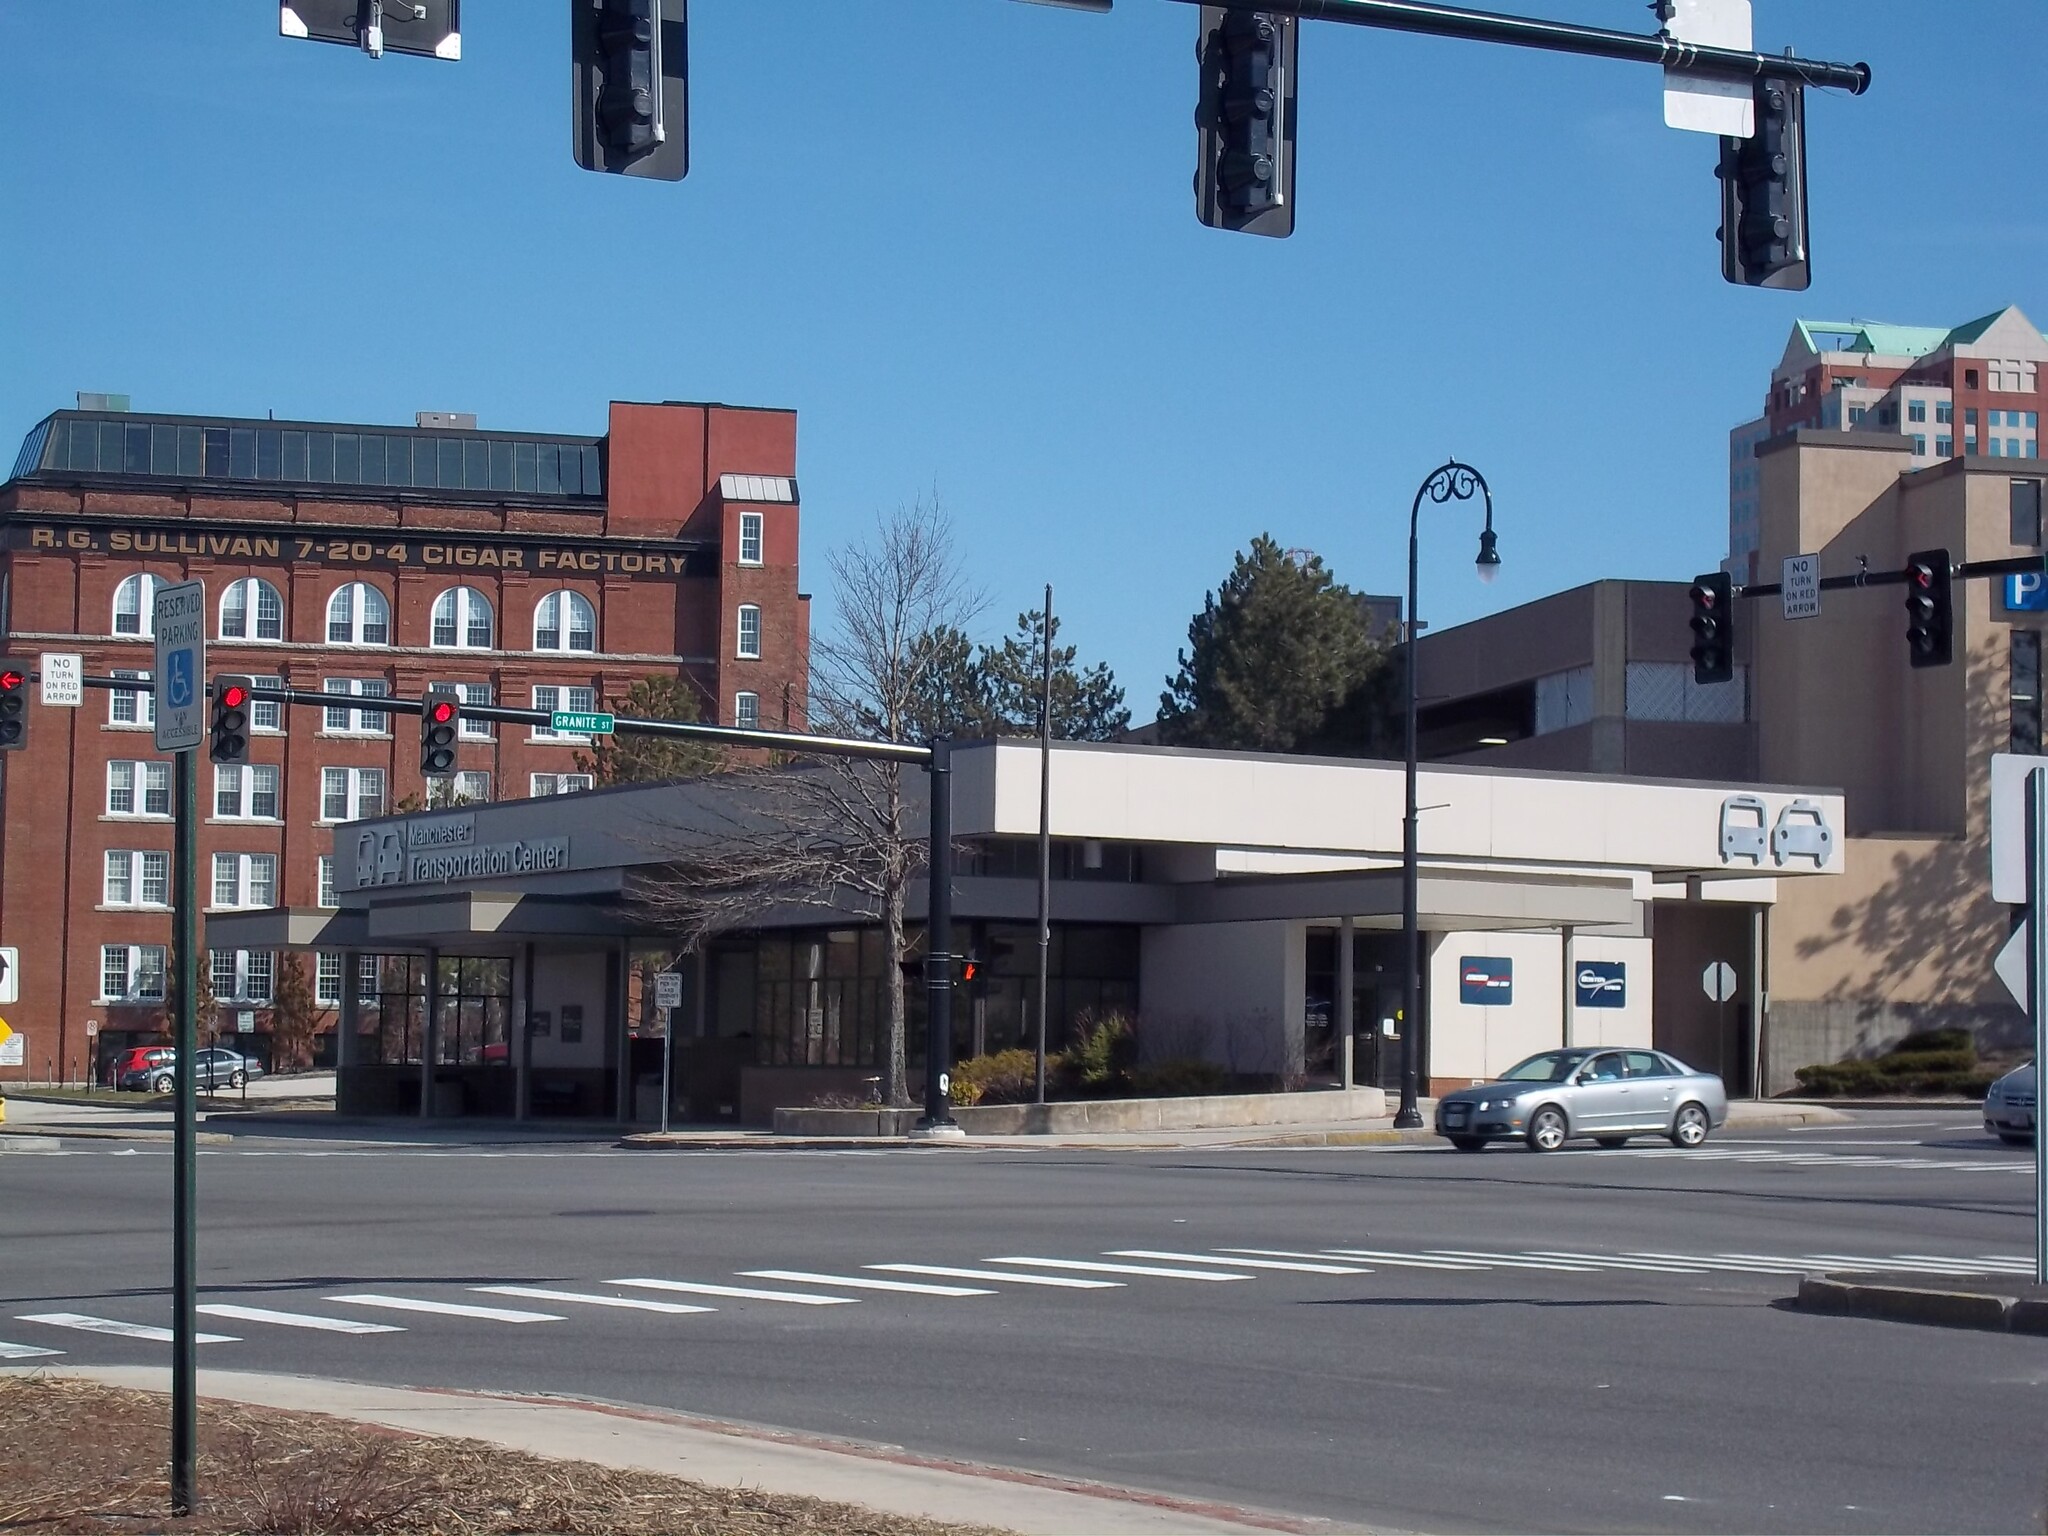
(957, 236)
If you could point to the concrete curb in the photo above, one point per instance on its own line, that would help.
(2018, 1308)
(725, 1454)
(108, 1133)
(1750, 1114)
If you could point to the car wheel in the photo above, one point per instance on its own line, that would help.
(1612, 1141)
(1469, 1143)
(161, 1084)
(1691, 1126)
(236, 1079)
(1547, 1129)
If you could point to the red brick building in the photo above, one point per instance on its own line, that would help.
(533, 570)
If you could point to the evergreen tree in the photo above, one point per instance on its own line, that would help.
(947, 689)
(1271, 656)
(634, 759)
(1087, 705)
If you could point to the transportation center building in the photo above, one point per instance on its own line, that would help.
(1205, 893)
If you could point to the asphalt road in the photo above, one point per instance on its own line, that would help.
(1583, 1341)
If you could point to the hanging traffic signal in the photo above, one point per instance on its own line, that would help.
(1713, 628)
(1244, 176)
(440, 718)
(230, 743)
(630, 65)
(1763, 193)
(1930, 613)
(14, 675)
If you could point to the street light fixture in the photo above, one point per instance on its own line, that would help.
(1452, 482)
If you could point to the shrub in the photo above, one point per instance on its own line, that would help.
(1003, 1077)
(1933, 1061)
(1935, 1040)
(1178, 1076)
(1100, 1059)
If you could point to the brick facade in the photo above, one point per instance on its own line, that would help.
(657, 556)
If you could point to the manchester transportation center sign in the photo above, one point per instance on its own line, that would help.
(355, 548)
(440, 849)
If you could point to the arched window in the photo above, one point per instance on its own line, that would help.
(462, 619)
(250, 609)
(133, 601)
(357, 614)
(564, 621)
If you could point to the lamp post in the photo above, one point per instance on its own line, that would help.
(1452, 482)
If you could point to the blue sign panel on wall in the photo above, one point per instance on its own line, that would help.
(1489, 982)
(1600, 984)
(2026, 593)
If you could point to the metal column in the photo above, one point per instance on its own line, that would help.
(1347, 984)
(937, 1119)
(430, 1031)
(185, 1149)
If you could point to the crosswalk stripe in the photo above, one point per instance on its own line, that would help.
(738, 1292)
(243, 1314)
(1620, 1263)
(1509, 1261)
(1978, 1265)
(1804, 1265)
(447, 1308)
(1404, 1261)
(119, 1329)
(1940, 1267)
(947, 1271)
(1739, 1266)
(1096, 1267)
(1210, 1258)
(25, 1352)
(865, 1283)
(584, 1298)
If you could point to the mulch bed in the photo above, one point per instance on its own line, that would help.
(76, 1457)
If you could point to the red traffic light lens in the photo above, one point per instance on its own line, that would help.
(234, 696)
(441, 711)
(11, 679)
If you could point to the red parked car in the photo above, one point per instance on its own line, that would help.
(145, 1067)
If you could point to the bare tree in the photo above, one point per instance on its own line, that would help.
(828, 831)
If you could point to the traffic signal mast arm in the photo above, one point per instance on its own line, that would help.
(2015, 565)
(1566, 37)
(726, 735)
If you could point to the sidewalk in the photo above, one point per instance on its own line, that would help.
(727, 1455)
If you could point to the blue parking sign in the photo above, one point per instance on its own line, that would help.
(2026, 593)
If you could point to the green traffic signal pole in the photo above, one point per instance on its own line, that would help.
(184, 1159)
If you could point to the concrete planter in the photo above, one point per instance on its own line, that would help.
(1085, 1115)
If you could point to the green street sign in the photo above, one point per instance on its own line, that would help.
(567, 722)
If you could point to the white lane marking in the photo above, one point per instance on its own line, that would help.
(1939, 1267)
(446, 1308)
(738, 1292)
(949, 1272)
(864, 1283)
(25, 1352)
(1210, 1258)
(1739, 1266)
(242, 1314)
(1510, 1261)
(1405, 1261)
(586, 1299)
(2007, 1263)
(85, 1324)
(1612, 1263)
(1094, 1267)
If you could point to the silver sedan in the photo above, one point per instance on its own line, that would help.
(1608, 1094)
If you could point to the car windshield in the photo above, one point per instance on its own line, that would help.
(1549, 1067)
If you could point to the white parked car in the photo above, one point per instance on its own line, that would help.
(2009, 1105)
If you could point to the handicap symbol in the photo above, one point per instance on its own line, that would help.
(178, 686)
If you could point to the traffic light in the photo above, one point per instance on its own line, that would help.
(14, 674)
(230, 742)
(440, 718)
(1244, 176)
(630, 66)
(1930, 612)
(1763, 193)
(1713, 628)
(430, 28)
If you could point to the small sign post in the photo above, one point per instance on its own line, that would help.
(1800, 588)
(668, 997)
(179, 619)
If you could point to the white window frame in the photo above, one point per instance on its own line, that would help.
(324, 891)
(354, 792)
(467, 786)
(242, 883)
(581, 700)
(472, 729)
(743, 705)
(246, 597)
(131, 710)
(266, 715)
(346, 721)
(146, 777)
(135, 865)
(136, 967)
(463, 607)
(251, 975)
(328, 961)
(753, 532)
(241, 780)
(354, 598)
(556, 613)
(142, 621)
(540, 784)
(740, 628)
